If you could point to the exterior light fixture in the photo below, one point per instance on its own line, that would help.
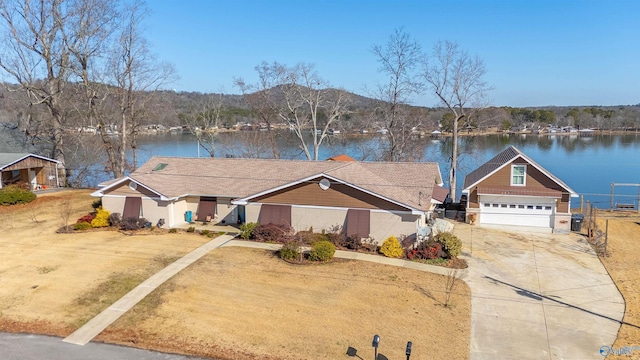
(374, 343)
(408, 352)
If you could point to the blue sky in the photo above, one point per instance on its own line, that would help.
(537, 53)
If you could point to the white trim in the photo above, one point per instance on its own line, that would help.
(100, 192)
(141, 197)
(29, 155)
(412, 212)
(524, 175)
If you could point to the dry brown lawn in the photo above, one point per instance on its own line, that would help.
(234, 303)
(623, 265)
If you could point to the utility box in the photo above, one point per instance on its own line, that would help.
(576, 222)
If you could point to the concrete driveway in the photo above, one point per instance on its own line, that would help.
(537, 296)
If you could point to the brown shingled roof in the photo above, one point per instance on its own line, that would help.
(241, 178)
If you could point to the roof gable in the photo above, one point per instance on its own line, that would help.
(8, 159)
(504, 158)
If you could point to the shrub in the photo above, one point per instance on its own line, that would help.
(87, 218)
(81, 226)
(450, 243)
(115, 219)
(101, 219)
(129, 223)
(191, 229)
(353, 242)
(13, 194)
(97, 203)
(207, 233)
(289, 251)
(322, 251)
(427, 250)
(246, 230)
(173, 231)
(391, 247)
(272, 233)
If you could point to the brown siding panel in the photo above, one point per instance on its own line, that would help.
(275, 214)
(358, 223)
(338, 195)
(206, 207)
(132, 207)
(535, 180)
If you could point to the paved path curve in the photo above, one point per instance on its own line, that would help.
(538, 296)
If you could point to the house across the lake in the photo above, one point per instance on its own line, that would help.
(31, 170)
(368, 199)
(512, 189)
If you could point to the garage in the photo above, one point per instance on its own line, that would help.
(512, 210)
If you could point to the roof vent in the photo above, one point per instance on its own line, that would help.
(160, 167)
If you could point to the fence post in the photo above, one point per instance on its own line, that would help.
(606, 237)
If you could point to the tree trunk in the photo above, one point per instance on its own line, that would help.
(454, 162)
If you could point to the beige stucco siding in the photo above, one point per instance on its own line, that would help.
(113, 204)
(154, 210)
(303, 218)
(385, 224)
(252, 212)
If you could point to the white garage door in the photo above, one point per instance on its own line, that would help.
(511, 210)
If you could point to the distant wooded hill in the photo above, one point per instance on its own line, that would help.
(169, 108)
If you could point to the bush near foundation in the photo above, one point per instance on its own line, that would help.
(101, 219)
(427, 250)
(272, 233)
(12, 194)
(290, 251)
(391, 247)
(246, 230)
(450, 243)
(322, 251)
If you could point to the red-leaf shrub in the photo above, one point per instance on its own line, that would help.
(87, 218)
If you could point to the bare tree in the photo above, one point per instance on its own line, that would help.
(265, 98)
(311, 105)
(204, 121)
(136, 75)
(456, 79)
(398, 59)
(36, 57)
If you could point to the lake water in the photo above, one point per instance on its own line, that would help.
(587, 164)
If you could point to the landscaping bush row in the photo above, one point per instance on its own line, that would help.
(443, 246)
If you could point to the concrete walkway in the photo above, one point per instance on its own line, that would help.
(537, 296)
(100, 322)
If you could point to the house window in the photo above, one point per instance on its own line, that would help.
(547, 207)
(512, 206)
(487, 205)
(503, 205)
(518, 175)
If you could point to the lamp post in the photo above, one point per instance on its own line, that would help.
(408, 352)
(376, 340)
